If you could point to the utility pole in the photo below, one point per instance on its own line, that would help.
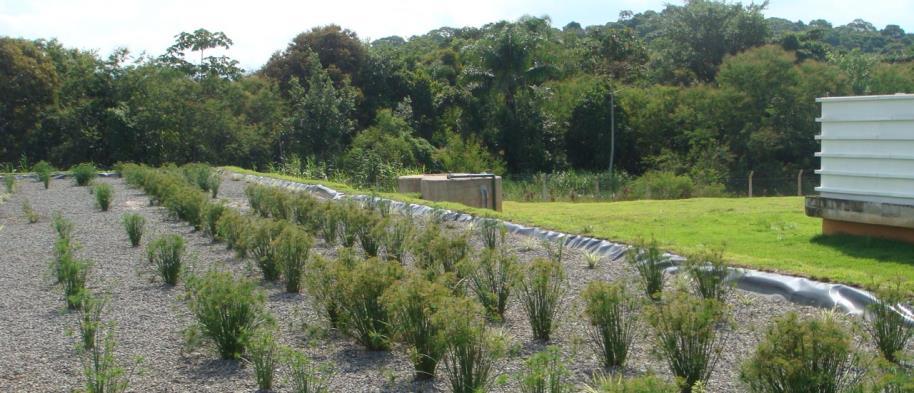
(612, 141)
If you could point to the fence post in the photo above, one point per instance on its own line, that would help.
(544, 188)
(750, 183)
(596, 187)
(800, 183)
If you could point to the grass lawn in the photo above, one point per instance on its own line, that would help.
(771, 234)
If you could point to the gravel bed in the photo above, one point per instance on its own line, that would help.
(37, 346)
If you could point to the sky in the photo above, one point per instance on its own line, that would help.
(261, 27)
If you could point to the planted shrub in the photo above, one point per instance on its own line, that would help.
(709, 273)
(165, 254)
(349, 215)
(617, 384)
(188, 205)
(491, 231)
(73, 274)
(43, 170)
(9, 183)
(887, 328)
(305, 376)
(262, 354)
(411, 304)
(555, 249)
(257, 199)
(104, 193)
(83, 174)
(471, 350)
(323, 284)
(327, 219)
(134, 224)
(261, 246)
(541, 291)
(90, 319)
(303, 209)
(545, 373)
(492, 278)
(447, 252)
(30, 214)
(233, 228)
(423, 244)
(211, 215)
(365, 317)
(62, 226)
(63, 251)
(369, 230)
(685, 335)
(813, 355)
(612, 316)
(229, 310)
(397, 239)
(215, 181)
(292, 248)
(101, 369)
(650, 263)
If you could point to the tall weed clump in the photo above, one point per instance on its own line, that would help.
(365, 317)
(211, 215)
(541, 290)
(709, 272)
(135, 225)
(887, 328)
(73, 273)
(396, 239)
(261, 245)
(233, 228)
(165, 253)
(471, 349)
(613, 319)
(812, 355)
(62, 226)
(43, 170)
(292, 248)
(492, 278)
(546, 373)
(686, 336)
(101, 368)
(90, 319)
(263, 354)
(84, 173)
(306, 376)
(104, 193)
(491, 231)
(228, 310)
(650, 262)
(324, 283)
(411, 305)
(9, 183)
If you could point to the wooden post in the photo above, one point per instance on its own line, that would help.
(544, 188)
(750, 183)
(596, 187)
(800, 183)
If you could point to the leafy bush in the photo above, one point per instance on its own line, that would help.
(211, 215)
(613, 321)
(233, 227)
(545, 373)
(887, 328)
(304, 211)
(709, 273)
(229, 310)
(261, 246)
(327, 219)
(397, 239)
(643, 384)
(662, 185)
(650, 262)
(365, 317)
(411, 305)
(101, 369)
(812, 355)
(9, 183)
(268, 201)
(30, 214)
(187, 204)
(104, 193)
(323, 283)
(541, 291)
(62, 226)
(305, 375)
(422, 246)
(448, 252)
(492, 278)
(83, 174)
(134, 225)
(685, 334)
(165, 254)
(262, 354)
(491, 231)
(471, 350)
(292, 247)
(43, 170)
(73, 274)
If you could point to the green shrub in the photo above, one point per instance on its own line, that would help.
(491, 231)
(305, 376)
(229, 310)
(63, 251)
(327, 219)
(134, 224)
(541, 291)
(813, 355)
(323, 284)
(233, 228)
(43, 170)
(471, 350)
(304, 209)
(643, 384)
(201, 175)
(491, 278)
(650, 262)
(423, 244)
(188, 205)
(214, 181)
(545, 373)
(90, 319)
(9, 182)
(662, 185)
(709, 273)
(62, 226)
(211, 215)
(612, 319)
(30, 214)
(397, 238)
(887, 328)
(260, 245)
(104, 193)
(350, 216)
(84, 174)
(257, 199)
(685, 334)
(165, 254)
(101, 369)
(411, 304)
(292, 247)
(262, 354)
(365, 317)
(555, 249)
(448, 252)
(73, 274)
(369, 230)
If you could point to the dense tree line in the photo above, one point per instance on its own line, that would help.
(705, 89)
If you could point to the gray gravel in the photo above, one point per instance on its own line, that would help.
(37, 352)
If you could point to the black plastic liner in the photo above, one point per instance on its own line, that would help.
(798, 290)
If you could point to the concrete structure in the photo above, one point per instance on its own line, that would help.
(476, 190)
(867, 170)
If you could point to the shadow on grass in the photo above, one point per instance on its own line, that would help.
(868, 247)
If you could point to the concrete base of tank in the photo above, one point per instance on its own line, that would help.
(863, 218)
(483, 192)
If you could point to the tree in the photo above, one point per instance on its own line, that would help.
(858, 66)
(320, 117)
(28, 87)
(200, 41)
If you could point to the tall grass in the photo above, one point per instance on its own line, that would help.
(104, 193)
(101, 369)
(492, 277)
(229, 310)
(73, 274)
(650, 262)
(211, 215)
(263, 354)
(62, 226)
(9, 183)
(491, 231)
(292, 248)
(411, 304)
(90, 319)
(603, 383)
(306, 376)
(30, 214)
(43, 170)
(471, 348)
(709, 273)
(233, 228)
(83, 174)
(546, 373)
(261, 245)
(397, 239)
(613, 321)
(365, 317)
(165, 253)
(541, 291)
(887, 328)
(135, 225)
(323, 284)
